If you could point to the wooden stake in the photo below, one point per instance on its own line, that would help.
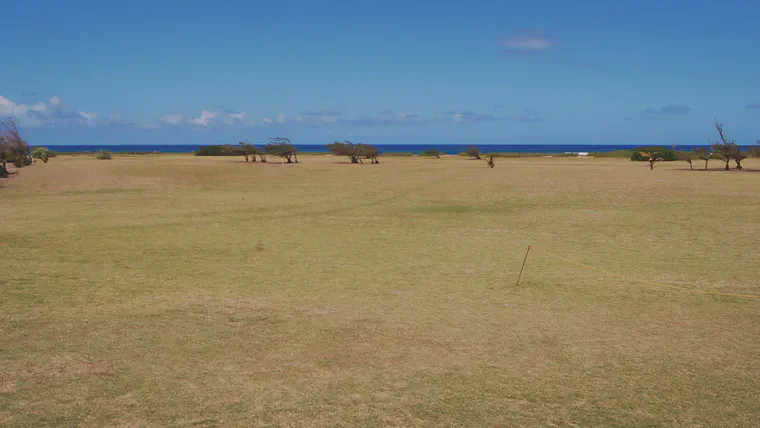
(523, 265)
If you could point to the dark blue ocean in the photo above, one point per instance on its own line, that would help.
(384, 148)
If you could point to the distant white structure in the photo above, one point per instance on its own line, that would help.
(580, 154)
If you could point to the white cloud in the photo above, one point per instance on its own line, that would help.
(527, 43)
(266, 121)
(238, 116)
(172, 118)
(205, 117)
(55, 101)
(89, 117)
(40, 106)
(281, 118)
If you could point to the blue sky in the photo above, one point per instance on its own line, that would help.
(543, 72)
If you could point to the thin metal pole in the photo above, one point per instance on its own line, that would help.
(523, 265)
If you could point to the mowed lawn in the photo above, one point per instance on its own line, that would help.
(160, 290)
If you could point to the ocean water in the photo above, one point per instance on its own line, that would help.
(384, 148)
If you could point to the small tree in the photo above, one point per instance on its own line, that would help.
(704, 154)
(651, 157)
(282, 148)
(244, 149)
(345, 148)
(725, 149)
(473, 152)
(432, 152)
(367, 151)
(490, 162)
(685, 156)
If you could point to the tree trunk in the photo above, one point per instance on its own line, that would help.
(691, 167)
(706, 160)
(354, 159)
(651, 165)
(4, 169)
(727, 161)
(738, 164)
(246, 158)
(296, 157)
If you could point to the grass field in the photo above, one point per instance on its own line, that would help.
(151, 291)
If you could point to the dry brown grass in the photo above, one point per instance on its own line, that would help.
(185, 291)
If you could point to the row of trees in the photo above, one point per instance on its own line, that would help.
(355, 152)
(279, 147)
(725, 150)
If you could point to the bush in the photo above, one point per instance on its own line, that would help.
(103, 155)
(431, 152)
(217, 150)
(473, 152)
(42, 153)
(664, 153)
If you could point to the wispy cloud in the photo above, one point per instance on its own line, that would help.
(469, 117)
(755, 106)
(524, 43)
(677, 110)
(173, 118)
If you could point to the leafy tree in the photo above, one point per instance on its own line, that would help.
(473, 152)
(282, 148)
(651, 157)
(685, 156)
(13, 147)
(345, 148)
(704, 154)
(726, 149)
(367, 151)
(664, 153)
(42, 153)
(244, 149)
(431, 153)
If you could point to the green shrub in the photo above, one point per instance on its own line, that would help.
(216, 150)
(664, 153)
(103, 155)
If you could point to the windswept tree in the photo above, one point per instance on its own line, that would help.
(725, 149)
(432, 153)
(282, 148)
(704, 154)
(651, 157)
(345, 148)
(248, 151)
(686, 157)
(367, 151)
(473, 152)
(13, 147)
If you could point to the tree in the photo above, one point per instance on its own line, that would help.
(725, 148)
(704, 154)
(42, 153)
(345, 148)
(685, 156)
(473, 152)
(651, 157)
(432, 152)
(13, 147)
(367, 151)
(282, 148)
(243, 149)
(490, 162)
